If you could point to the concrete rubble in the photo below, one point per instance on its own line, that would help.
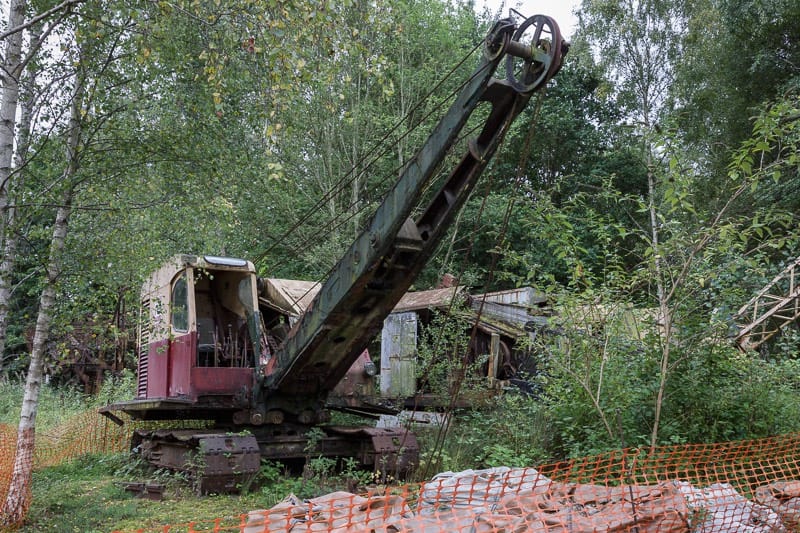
(719, 508)
(520, 500)
(783, 497)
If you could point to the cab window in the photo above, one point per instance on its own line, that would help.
(180, 304)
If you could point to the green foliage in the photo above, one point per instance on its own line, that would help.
(752, 65)
(444, 367)
(640, 42)
(667, 373)
(276, 483)
(726, 395)
(56, 404)
(60, 403)
(320, 476)
(600, 385)
(510, 429)
(116, 389)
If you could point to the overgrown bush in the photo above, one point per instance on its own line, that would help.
(444, 365)
(600, 387)
(510, 429)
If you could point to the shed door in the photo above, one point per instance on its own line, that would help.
(398, 355)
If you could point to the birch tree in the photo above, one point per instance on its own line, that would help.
(88, 60)
(19, 490)
(10, 74)
(18, 79)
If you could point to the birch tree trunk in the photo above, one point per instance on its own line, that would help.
(664, 304)
(10, 73)
(9, 246)
(19, 493)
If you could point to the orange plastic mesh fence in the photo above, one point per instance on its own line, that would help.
(82, 434)
(747, 486)
(8, 446)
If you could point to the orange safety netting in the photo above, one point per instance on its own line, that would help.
(747, 486)
(80, 435)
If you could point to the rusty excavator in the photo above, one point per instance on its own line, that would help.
(221, 346)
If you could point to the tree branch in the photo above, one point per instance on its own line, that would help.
(66, 4)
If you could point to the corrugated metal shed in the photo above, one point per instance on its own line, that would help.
(520, 308)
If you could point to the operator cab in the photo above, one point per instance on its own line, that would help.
(197, 332)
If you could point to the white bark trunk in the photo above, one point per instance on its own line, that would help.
(18, 499)
(664, 309)
(10, 73)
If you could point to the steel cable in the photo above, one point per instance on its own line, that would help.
(375, 155)
(499, 242)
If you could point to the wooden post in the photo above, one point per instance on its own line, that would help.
(494, 358)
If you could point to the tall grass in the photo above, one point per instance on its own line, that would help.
(57, 404)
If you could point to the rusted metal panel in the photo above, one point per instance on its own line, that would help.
(221, 380)
(181, 358)
(388, 450)
(150, 491)
(357, 385)
(219, 462)
(225, 454)
(290, 295)
(432, 299)
(395, 449)
(157, 365)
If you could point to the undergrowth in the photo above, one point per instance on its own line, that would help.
(57, 404)
(506, 430)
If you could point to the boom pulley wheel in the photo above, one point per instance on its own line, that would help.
(534, 53)
(497, 39)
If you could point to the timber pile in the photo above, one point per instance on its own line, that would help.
(519, 500)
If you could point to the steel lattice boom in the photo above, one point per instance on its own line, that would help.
(774, 307)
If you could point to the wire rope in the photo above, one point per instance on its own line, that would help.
(348, 177)
(455, 391)
(331, 227)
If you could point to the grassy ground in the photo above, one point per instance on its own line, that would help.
(87, 495)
